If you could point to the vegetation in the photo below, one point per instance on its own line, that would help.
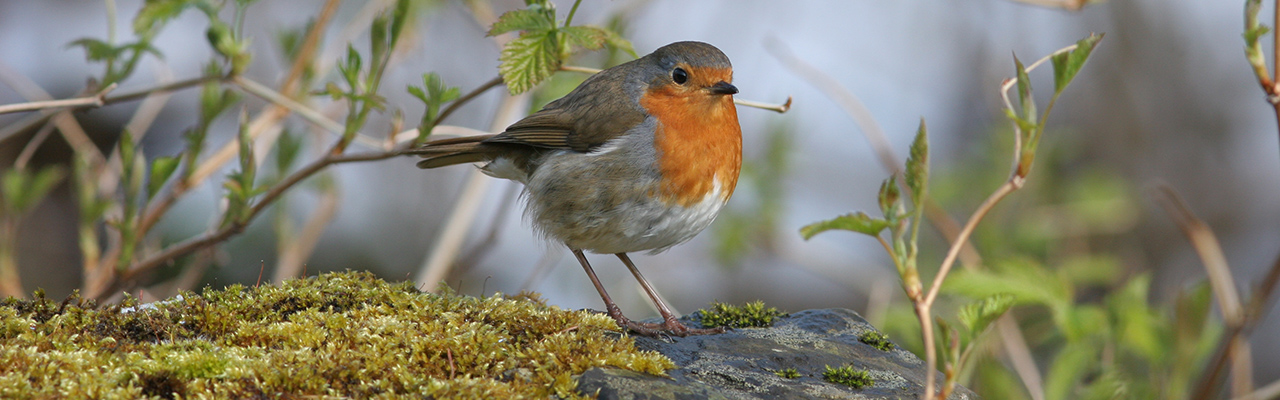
(848, 376)
(876, 339)
(336, 335)
(750, 315)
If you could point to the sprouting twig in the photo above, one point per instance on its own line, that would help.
(307, 113)
(231, 229)
(779, 108)
(95, 100)
(874, 134)
(1015, 182)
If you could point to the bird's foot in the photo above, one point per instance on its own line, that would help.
(670, 326)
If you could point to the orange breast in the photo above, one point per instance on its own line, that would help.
(699, 141)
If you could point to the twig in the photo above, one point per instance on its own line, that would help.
(1269, 392)
(30, 149)
(87, 101)
(779, 108)
(1015, 346)
(1015, 182)
(186, 247)
(1210, 251)
(1207, 247)
(484, 87)
(166, 88)
(307, 113)
(874, 134)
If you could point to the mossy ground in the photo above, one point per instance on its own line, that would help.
(848, 376)
(345, 335)
(751, 315)
(876, 339)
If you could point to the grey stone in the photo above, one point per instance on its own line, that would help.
(740, 364)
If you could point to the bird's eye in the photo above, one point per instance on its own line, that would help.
(679, 76)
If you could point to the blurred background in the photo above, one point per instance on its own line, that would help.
(1167, 97)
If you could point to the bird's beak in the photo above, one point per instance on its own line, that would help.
(723, 87)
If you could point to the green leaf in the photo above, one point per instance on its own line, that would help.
(1027, 111)
(978, 315)
(857, 222)
(378, 37)
(287, 148)
(97, 50)
(161, 169)
(523, 20)
(399, 17)
(918, 166)
(613, 39)
(588, 37)
(155, 13)
(527, 61)
(1068, 370)
(1027, 282)
(1136, 324)
(1067, 64)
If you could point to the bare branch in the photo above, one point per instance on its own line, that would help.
(87, 101)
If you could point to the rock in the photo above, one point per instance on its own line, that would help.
(741, 364)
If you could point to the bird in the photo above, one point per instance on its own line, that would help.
(638, 157)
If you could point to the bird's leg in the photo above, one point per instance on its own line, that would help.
(670, 325)
(610, 306)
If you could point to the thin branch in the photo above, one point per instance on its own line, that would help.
(1269, 392)
(1024, 364)
(95, 100)
(307, 113)
(30, 149)
(166, 88)
(1238, 321)
(484, 87)
(930, 351)
(779, 108)
(1210, 251)
(986, 206)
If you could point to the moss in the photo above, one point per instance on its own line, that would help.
(336, 335)
(876, 339)
(750, 315)
(789, 373)
(848, 376)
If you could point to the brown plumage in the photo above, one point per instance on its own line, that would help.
(639, 157)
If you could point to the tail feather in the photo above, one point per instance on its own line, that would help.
(445, 152)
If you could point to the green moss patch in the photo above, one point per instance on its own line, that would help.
(789, 373)
(750, 315)
(337, 335)
(848, 376)
(876, 339)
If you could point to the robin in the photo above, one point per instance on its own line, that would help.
(639, 157)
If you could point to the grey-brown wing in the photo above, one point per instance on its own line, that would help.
(596, 111)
